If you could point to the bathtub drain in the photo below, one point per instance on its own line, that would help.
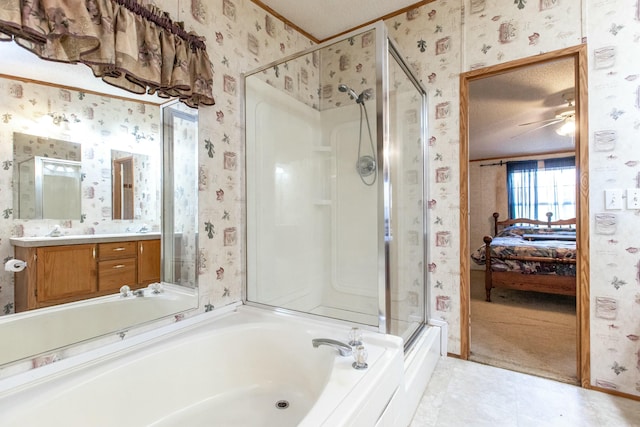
(282, 404)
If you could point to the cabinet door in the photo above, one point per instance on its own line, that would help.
(66, 273)
(148, 261)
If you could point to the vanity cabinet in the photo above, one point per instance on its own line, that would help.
(57, 274)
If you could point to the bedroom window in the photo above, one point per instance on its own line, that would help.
(539, 186)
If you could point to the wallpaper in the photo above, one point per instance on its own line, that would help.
(240, 38)
(614, 162)
(440, 40)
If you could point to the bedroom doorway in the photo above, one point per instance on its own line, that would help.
(530, 100)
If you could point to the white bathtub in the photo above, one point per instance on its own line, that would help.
(217, 369)
(58, 326)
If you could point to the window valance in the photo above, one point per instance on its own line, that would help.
(135, 47)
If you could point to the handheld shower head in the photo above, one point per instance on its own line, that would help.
(352, 93)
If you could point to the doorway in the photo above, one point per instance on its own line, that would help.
(123, 188)
(576, 56)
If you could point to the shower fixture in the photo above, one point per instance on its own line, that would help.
(366, 165)
(364, 95)
(348, 90)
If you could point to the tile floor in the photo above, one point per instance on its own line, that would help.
(463, 393)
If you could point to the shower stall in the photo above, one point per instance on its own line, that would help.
(335, 184)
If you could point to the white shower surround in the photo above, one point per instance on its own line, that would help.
(330, 267)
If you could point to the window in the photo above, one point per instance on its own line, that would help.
(539, 186)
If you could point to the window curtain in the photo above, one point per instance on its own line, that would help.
(522, 184)
(135, 47)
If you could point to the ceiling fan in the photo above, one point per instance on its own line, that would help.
(566, 116)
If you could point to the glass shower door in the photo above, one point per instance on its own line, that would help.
(335, 184)
(406, 156)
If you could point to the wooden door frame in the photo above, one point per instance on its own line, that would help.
(579, 56)
(117, 187)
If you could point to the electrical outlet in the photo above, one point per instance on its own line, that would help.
(633, 198)
(612, 199)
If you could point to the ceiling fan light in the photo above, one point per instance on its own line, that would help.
(568, 127)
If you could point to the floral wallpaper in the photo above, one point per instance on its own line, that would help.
(440, 40)
(443, 39)
(97, 124)
(240, 38)
(352, 62)
(614, 118)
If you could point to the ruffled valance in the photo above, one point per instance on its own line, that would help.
(134, 47)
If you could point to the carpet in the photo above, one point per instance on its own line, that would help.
(527, 332)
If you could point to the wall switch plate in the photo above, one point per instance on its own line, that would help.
(633, 198)
(613, 199)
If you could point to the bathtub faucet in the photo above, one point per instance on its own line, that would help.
(343, 349)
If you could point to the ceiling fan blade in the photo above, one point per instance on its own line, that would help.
(539, 127)
(555, 120)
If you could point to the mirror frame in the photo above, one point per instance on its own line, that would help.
(15, 318)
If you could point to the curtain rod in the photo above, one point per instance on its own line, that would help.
(500, 163)
(161, 18)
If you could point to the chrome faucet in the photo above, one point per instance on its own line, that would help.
(343, 349)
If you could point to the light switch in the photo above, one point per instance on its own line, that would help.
(613, 199)
(633, 198)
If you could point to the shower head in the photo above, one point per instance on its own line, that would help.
(352, 93)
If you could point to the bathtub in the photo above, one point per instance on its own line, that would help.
(58, 326)
(238, 366)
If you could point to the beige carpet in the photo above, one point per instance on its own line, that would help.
(522, 331)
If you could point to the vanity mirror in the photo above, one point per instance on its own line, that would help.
(47, 177)
(109, 127)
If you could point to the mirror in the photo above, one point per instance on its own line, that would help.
(94, 130)
(47, 178)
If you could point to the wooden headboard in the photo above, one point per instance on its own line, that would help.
(548, 223)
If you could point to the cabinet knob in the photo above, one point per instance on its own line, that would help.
(118, 266)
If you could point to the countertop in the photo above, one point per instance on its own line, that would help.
(79, 239)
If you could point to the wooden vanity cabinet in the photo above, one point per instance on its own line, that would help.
(66, 273)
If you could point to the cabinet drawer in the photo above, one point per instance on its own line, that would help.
(117, 250)
(116, 273)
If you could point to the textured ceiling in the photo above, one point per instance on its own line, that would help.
(498, 105)
(325, 18)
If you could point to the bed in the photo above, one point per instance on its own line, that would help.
(530, 255)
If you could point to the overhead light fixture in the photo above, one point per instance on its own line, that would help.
(568, 128)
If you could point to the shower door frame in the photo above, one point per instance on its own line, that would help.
(384, 47)
(390, 48)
